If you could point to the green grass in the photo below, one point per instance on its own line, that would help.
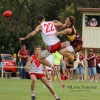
(16, 89)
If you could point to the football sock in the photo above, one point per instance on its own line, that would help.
(55, 95)
(32, 93)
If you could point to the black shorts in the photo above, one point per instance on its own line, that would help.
(98, 69)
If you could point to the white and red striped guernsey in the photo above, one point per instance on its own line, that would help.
(48, 33)
(35, 66)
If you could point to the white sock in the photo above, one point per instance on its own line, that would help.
(50, 82)
(32, 93)
(55, 95)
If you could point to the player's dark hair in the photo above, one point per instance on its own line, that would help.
(40, 17)
(37, 46)
(72, 19)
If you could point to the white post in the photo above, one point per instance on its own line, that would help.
(1, 72)
(86, 69)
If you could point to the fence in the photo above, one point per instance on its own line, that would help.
(2, 71)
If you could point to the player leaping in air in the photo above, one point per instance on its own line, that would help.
(49, 36)
(75, 42)
(48, 30)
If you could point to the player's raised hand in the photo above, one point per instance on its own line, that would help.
(21, 39)
(27, 69)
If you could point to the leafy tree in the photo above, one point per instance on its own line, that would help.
(23, 20)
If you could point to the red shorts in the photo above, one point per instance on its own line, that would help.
(38, 76)
(54, 48)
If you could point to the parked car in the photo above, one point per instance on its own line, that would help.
(8, 63)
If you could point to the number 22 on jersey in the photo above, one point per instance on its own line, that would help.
(49, 27)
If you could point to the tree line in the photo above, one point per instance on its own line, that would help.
(23, 20)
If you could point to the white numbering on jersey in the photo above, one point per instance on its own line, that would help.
(49, 27)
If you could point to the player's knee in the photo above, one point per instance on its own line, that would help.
(33, 81)
(40, 59)
(61, 52)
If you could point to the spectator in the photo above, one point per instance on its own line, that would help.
(23, 54)
(1, 66)
(63, 68)
(80, 68)
(98, 64)
(0, 62)
(91, 59)
(57, 58)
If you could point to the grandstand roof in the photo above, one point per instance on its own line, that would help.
(88, 9)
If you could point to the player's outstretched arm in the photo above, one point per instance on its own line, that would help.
(57, 23)
(66, 31)
(27, 67)
(63, 26)
(37, 29)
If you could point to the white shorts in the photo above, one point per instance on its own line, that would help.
(69, 47)
(45, 53)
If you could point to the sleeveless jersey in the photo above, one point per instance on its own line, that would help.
(75, 40)
(74, 36)
(48, 33)
(35, 66)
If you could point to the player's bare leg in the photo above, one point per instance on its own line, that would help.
(42, 59)
(50, 79)
(45, 81)
(65, 52)
(63, 45)
(33, 77)
(57, 72)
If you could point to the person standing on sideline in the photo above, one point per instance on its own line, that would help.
(56, 72)
(80, 68)
(75, 42)
(0, 62)
(91, 59)
(23, 54)
(98, 64)
(35, 70)
(63, 70)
